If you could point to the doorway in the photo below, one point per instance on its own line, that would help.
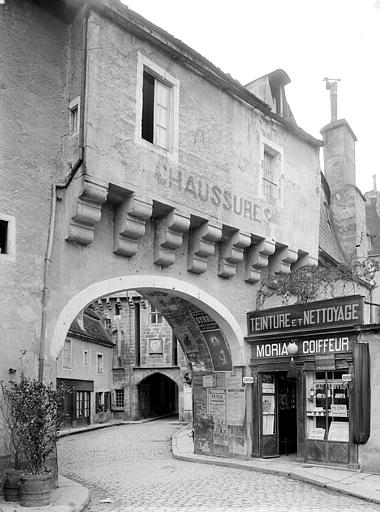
(278, 413)
(158, 396)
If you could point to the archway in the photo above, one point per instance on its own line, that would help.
(158, 396)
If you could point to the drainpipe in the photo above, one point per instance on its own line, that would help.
(62, 186)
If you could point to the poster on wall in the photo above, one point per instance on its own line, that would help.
(235, 407)
(338, 431)
(215, 342)
(216, 407)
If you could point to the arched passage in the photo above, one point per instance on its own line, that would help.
(150, 284)
(158, 395)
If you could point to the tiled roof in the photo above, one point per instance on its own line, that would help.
(328, 241)
(91, 328)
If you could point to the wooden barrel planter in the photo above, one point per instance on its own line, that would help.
(35, 490)
(12, 484)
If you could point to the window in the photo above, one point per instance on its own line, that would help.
(119, 397)
(67, 355)
(118, 308)
(157, 108)
(99, 363)
(269, 177)
(107, 400)
(155, 316)
(74, 116)
(107, 323)
(85, 357)
(82, 404)
(272, 170)
(7, 237)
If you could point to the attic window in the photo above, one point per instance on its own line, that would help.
(156, 111)
(276, 91)
(270, 180)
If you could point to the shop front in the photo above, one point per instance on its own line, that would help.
(311, 393)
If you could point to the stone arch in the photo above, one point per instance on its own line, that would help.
(149, 373)
(207, 303)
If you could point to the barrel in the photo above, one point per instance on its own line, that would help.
(35, 490)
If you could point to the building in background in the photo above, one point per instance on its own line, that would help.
(150, 372)
(85, 367)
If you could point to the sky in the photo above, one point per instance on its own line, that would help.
(309, 39)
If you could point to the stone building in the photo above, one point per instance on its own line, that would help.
(85, 367)
(150, 374)
(132, 163)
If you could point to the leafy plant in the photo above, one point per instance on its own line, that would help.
(308, 282)
(34, 415)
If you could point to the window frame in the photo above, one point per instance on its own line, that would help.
(86, 357)
(10, 254)
(276, 153)
(119, 398)
(99, 357)
(146, 65)
(74, 106)
(154, 313)
(66, 343)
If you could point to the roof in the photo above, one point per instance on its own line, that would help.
(130, 20)
(328, 241)
(91, 329)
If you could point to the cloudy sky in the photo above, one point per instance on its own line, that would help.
(309, 39)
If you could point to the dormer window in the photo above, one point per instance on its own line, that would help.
(276, 91)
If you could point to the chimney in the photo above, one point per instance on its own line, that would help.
(347, 202)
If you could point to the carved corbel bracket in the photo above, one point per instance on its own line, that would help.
(169, 236)
(201, 246)
(257, 259)
(282, 260)
(303, 260)
(88, 211)
(130, 219)
(232, 252)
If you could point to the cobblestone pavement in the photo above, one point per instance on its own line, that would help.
(129, 468)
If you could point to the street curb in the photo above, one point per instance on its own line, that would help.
(336, 487)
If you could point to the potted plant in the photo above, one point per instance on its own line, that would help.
(13, 446)
(37, 415)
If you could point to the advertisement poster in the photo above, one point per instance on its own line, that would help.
(215, 341)
(216, 407)
(338, 431)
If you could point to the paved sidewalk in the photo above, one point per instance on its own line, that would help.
(68, 497)
(352, 482)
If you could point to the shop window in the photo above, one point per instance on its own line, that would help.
(67, 355)
(155, 316)
(328, 403)
(99, 363)
(119, 397)
(82, 404)
(157, 110)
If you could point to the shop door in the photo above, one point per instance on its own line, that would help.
(269, 438)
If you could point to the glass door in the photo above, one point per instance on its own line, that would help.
(269, 439)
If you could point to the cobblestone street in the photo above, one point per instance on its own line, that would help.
(130, 468)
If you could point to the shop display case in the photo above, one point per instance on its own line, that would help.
(327, 416)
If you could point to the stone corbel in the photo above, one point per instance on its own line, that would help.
(169, 236)
(202, 246)
(88, 211)
(257, 259)
(232, 252)
(282, 260)
(130, 219)
(303, 260)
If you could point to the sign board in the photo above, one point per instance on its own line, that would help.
(247, 380)
(346, 377)
(216, 407)
(267, 387)
(338, 411)
(338, 431)
(317, 433)
(324, 347)
(341, 311)
(325, 362)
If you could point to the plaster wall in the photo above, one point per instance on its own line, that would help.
(369, 453)
(218, 171)
(33, 124)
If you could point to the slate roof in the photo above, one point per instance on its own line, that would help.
(92, 330)
(328, 241)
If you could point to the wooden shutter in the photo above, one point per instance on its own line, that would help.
(361, 414)
(161, 115)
